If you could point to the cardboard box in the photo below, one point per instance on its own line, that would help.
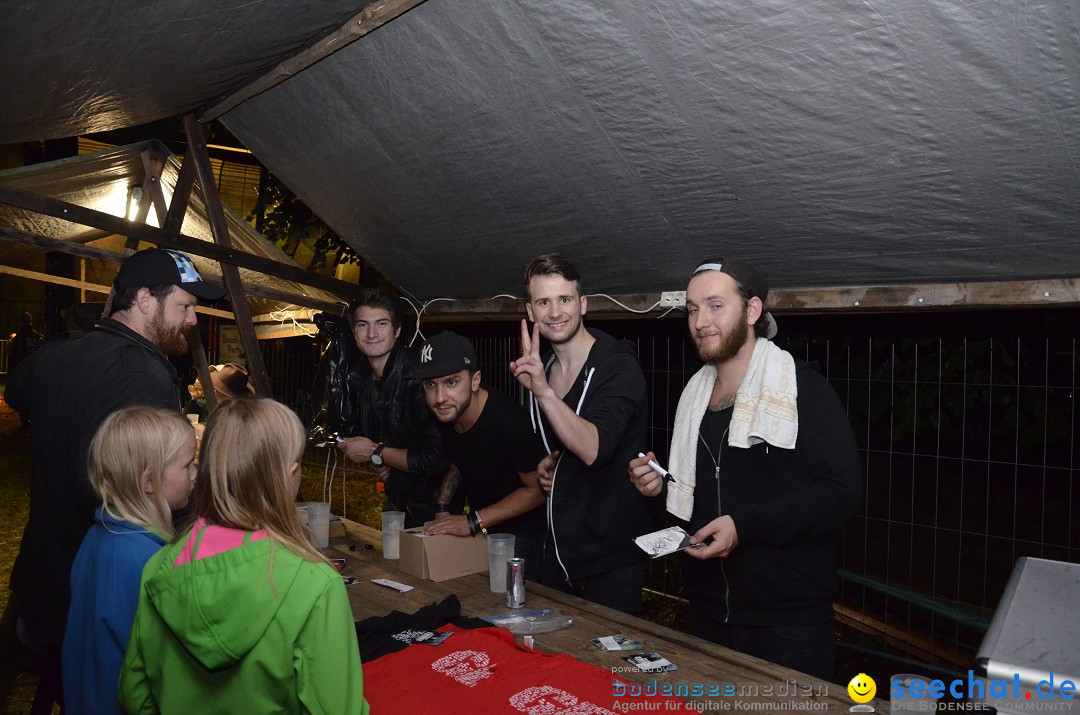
(440, 558)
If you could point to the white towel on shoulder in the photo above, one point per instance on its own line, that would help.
(765, 410)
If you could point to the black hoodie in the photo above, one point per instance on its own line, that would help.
(397, 414)
(594, 512)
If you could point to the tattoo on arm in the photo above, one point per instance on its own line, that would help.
(449, 486)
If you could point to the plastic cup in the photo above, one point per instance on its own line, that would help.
(500, 550)
(392, 524)
(319, 523)
(302, 514)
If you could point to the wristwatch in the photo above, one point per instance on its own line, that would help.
(376, 454)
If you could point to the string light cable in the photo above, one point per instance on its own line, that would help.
(289, 314)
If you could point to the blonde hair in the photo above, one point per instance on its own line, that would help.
(245, 481)
(132, 445)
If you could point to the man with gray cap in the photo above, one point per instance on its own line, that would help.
(66, 390)
(492, 451)
(764, 469)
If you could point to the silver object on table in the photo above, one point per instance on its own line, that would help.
(515, 583)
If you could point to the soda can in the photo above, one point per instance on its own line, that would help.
(515, 583)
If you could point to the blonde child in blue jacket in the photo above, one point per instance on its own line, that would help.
(141, 464)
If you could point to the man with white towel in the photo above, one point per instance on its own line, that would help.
(765, 470)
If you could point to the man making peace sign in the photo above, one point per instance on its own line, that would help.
(588, 405)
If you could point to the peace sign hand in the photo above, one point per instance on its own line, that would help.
(529, 369)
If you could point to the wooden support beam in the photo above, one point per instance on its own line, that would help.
(152, 168)
(273, 332)
(998, 294)
(370, 18)
(1051, 292)
(92, 287)
(198, 354)
(144, 232)
(185, 181)
(920, 646)
(198, 153)
(58, 244)
(99, 254)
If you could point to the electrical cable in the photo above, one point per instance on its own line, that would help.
(414, 302)
(287, 314)
(621, 305)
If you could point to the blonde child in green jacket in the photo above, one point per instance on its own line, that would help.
(241, 614)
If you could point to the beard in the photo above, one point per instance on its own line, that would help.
(457, 413)
(173, 340)
(726, 348)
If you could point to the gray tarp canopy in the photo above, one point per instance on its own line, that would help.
(833, 142)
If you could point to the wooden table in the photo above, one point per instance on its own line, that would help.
(749, 684)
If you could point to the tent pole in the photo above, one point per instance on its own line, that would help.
(199, 155)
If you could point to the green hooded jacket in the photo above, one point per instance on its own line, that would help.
(225, 634)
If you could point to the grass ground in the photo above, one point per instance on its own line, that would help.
(351, 490)
(16, 684)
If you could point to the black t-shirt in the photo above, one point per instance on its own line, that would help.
(492, 455)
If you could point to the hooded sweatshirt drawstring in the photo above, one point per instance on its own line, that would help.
(534, 405)
(534, 409)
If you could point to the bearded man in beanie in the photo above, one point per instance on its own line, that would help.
(765, 470)
(66, 390)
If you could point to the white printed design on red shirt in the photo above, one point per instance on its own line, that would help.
(468, 667)
(546, 700)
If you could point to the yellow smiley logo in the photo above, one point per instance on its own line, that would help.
(862, 688)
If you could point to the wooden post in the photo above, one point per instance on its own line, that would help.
(174, 220)
(199, 355)
(199, 155)
(152, 195)
(152, 169)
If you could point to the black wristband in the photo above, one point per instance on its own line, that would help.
(470, 519)
(441, 508)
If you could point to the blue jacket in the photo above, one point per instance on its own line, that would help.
(104, 591)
